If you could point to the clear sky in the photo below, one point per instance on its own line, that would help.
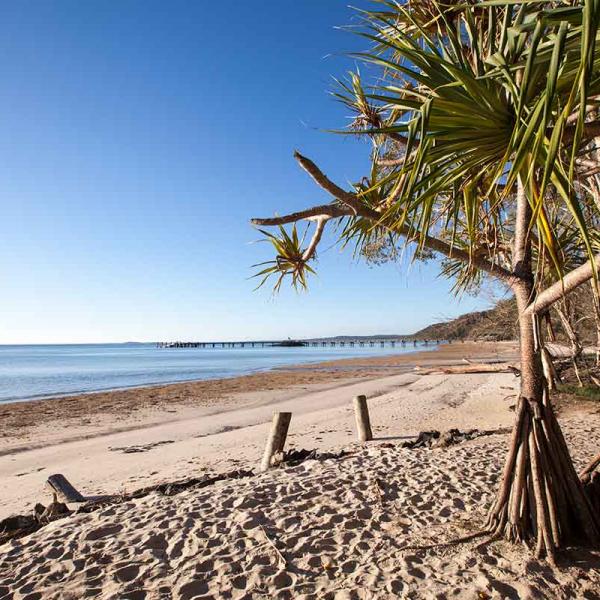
(139, 137)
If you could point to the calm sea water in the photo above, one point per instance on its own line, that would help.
(28, 372)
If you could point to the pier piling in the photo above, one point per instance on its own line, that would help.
(315, 343)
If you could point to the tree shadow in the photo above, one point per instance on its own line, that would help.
(581, 557)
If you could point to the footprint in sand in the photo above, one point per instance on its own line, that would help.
(240, 582)
(193, 589)
(282, 580)
(127, 573)
(101, 532)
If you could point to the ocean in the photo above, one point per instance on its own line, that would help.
(38, 371)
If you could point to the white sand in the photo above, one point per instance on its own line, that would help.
(341, 525)
(234, 436)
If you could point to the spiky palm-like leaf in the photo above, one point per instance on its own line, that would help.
(289, 261)
(482, 94)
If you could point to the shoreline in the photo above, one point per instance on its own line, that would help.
(308, 363)
(307, 366)
(373, 361)
(152, 405)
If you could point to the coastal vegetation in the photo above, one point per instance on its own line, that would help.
(497, 324)
(483, 123)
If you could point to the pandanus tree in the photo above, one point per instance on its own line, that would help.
(483, 121)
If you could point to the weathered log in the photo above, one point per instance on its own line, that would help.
(469, 369)
(436, 439)
(60, 486)
(276, 439)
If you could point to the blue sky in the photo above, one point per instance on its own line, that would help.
(139, 137)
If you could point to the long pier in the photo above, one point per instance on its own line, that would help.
(314, 343)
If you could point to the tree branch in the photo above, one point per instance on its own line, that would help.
(400, 139)
(351, 205)
(328, 210)
(563, 287)
(324, 182)
(480, 262)
(316, 238)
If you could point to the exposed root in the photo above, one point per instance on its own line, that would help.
(454, 542)
(541, 498)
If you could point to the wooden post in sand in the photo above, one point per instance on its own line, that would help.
(363, 423)
(276, 439)
(60, 485)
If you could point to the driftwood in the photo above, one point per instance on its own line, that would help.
(425, 439)
(561, 351)
(436, 439)
(165, 489)
(294, 457)
(470, 368)
(176, 487)
(280, 557)
(60, 486)
(17, 526)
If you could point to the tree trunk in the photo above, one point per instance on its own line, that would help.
(595, 188)
(540, 496)
(596, 308)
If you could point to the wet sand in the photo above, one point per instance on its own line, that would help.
(59, 418)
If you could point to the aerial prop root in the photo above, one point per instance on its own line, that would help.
(541, 497)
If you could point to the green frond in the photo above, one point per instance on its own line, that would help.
(289, 259)
(467, 99)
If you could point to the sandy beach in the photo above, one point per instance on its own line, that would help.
(243, 360)
(217, 424)
(342, 527)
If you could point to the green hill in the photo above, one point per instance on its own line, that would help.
(498, 323)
